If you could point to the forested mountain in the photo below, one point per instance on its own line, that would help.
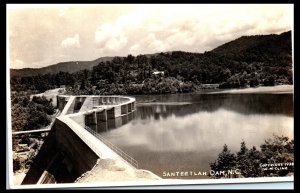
(246, 61)
(70, 67)
(266, 44)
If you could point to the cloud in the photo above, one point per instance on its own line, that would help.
(120, 30)
(195, 28)
(134, 50)
(71, 42)
(110, 37)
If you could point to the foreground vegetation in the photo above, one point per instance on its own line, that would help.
(253, 162)
(30, 114)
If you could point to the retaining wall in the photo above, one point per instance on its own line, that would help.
(69, 149)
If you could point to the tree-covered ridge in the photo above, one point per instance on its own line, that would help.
(71, 66)
(245, 62)
(270, 44)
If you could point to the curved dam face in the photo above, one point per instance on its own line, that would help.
(70, 150)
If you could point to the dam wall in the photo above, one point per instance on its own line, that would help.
(63, 155)
(71, 150)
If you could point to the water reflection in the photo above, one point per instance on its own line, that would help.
(241, 103)
(106, 126)
(163, 135)
(203, 130)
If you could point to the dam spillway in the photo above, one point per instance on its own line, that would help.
(86, 110)
(71, 148)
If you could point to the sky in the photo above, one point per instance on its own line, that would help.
(43, 35)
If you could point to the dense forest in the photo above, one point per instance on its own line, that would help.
(248, 61)
(30, 114)
(275, 158)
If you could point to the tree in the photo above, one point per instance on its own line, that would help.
(253, 159)
(248, 161)
(16, 164)
(242, 159)
(278, 150)
(254, 82)
(32, 114)
(226, 161)
(269, 81)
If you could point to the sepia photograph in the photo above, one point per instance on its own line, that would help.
(104, 95)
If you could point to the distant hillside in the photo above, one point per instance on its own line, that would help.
(70, 67)
(246, 48)
(248, 61)
(257, 45)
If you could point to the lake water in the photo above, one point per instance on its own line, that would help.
(185, 132)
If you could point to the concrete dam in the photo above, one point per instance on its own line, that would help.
(73, 150)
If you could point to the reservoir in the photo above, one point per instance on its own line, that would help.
(186, 132)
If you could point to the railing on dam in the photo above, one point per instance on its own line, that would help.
(121, 153)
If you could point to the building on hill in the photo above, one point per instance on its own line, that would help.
(210, 86)
(158, 73)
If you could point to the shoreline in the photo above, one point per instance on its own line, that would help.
(278, 89)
